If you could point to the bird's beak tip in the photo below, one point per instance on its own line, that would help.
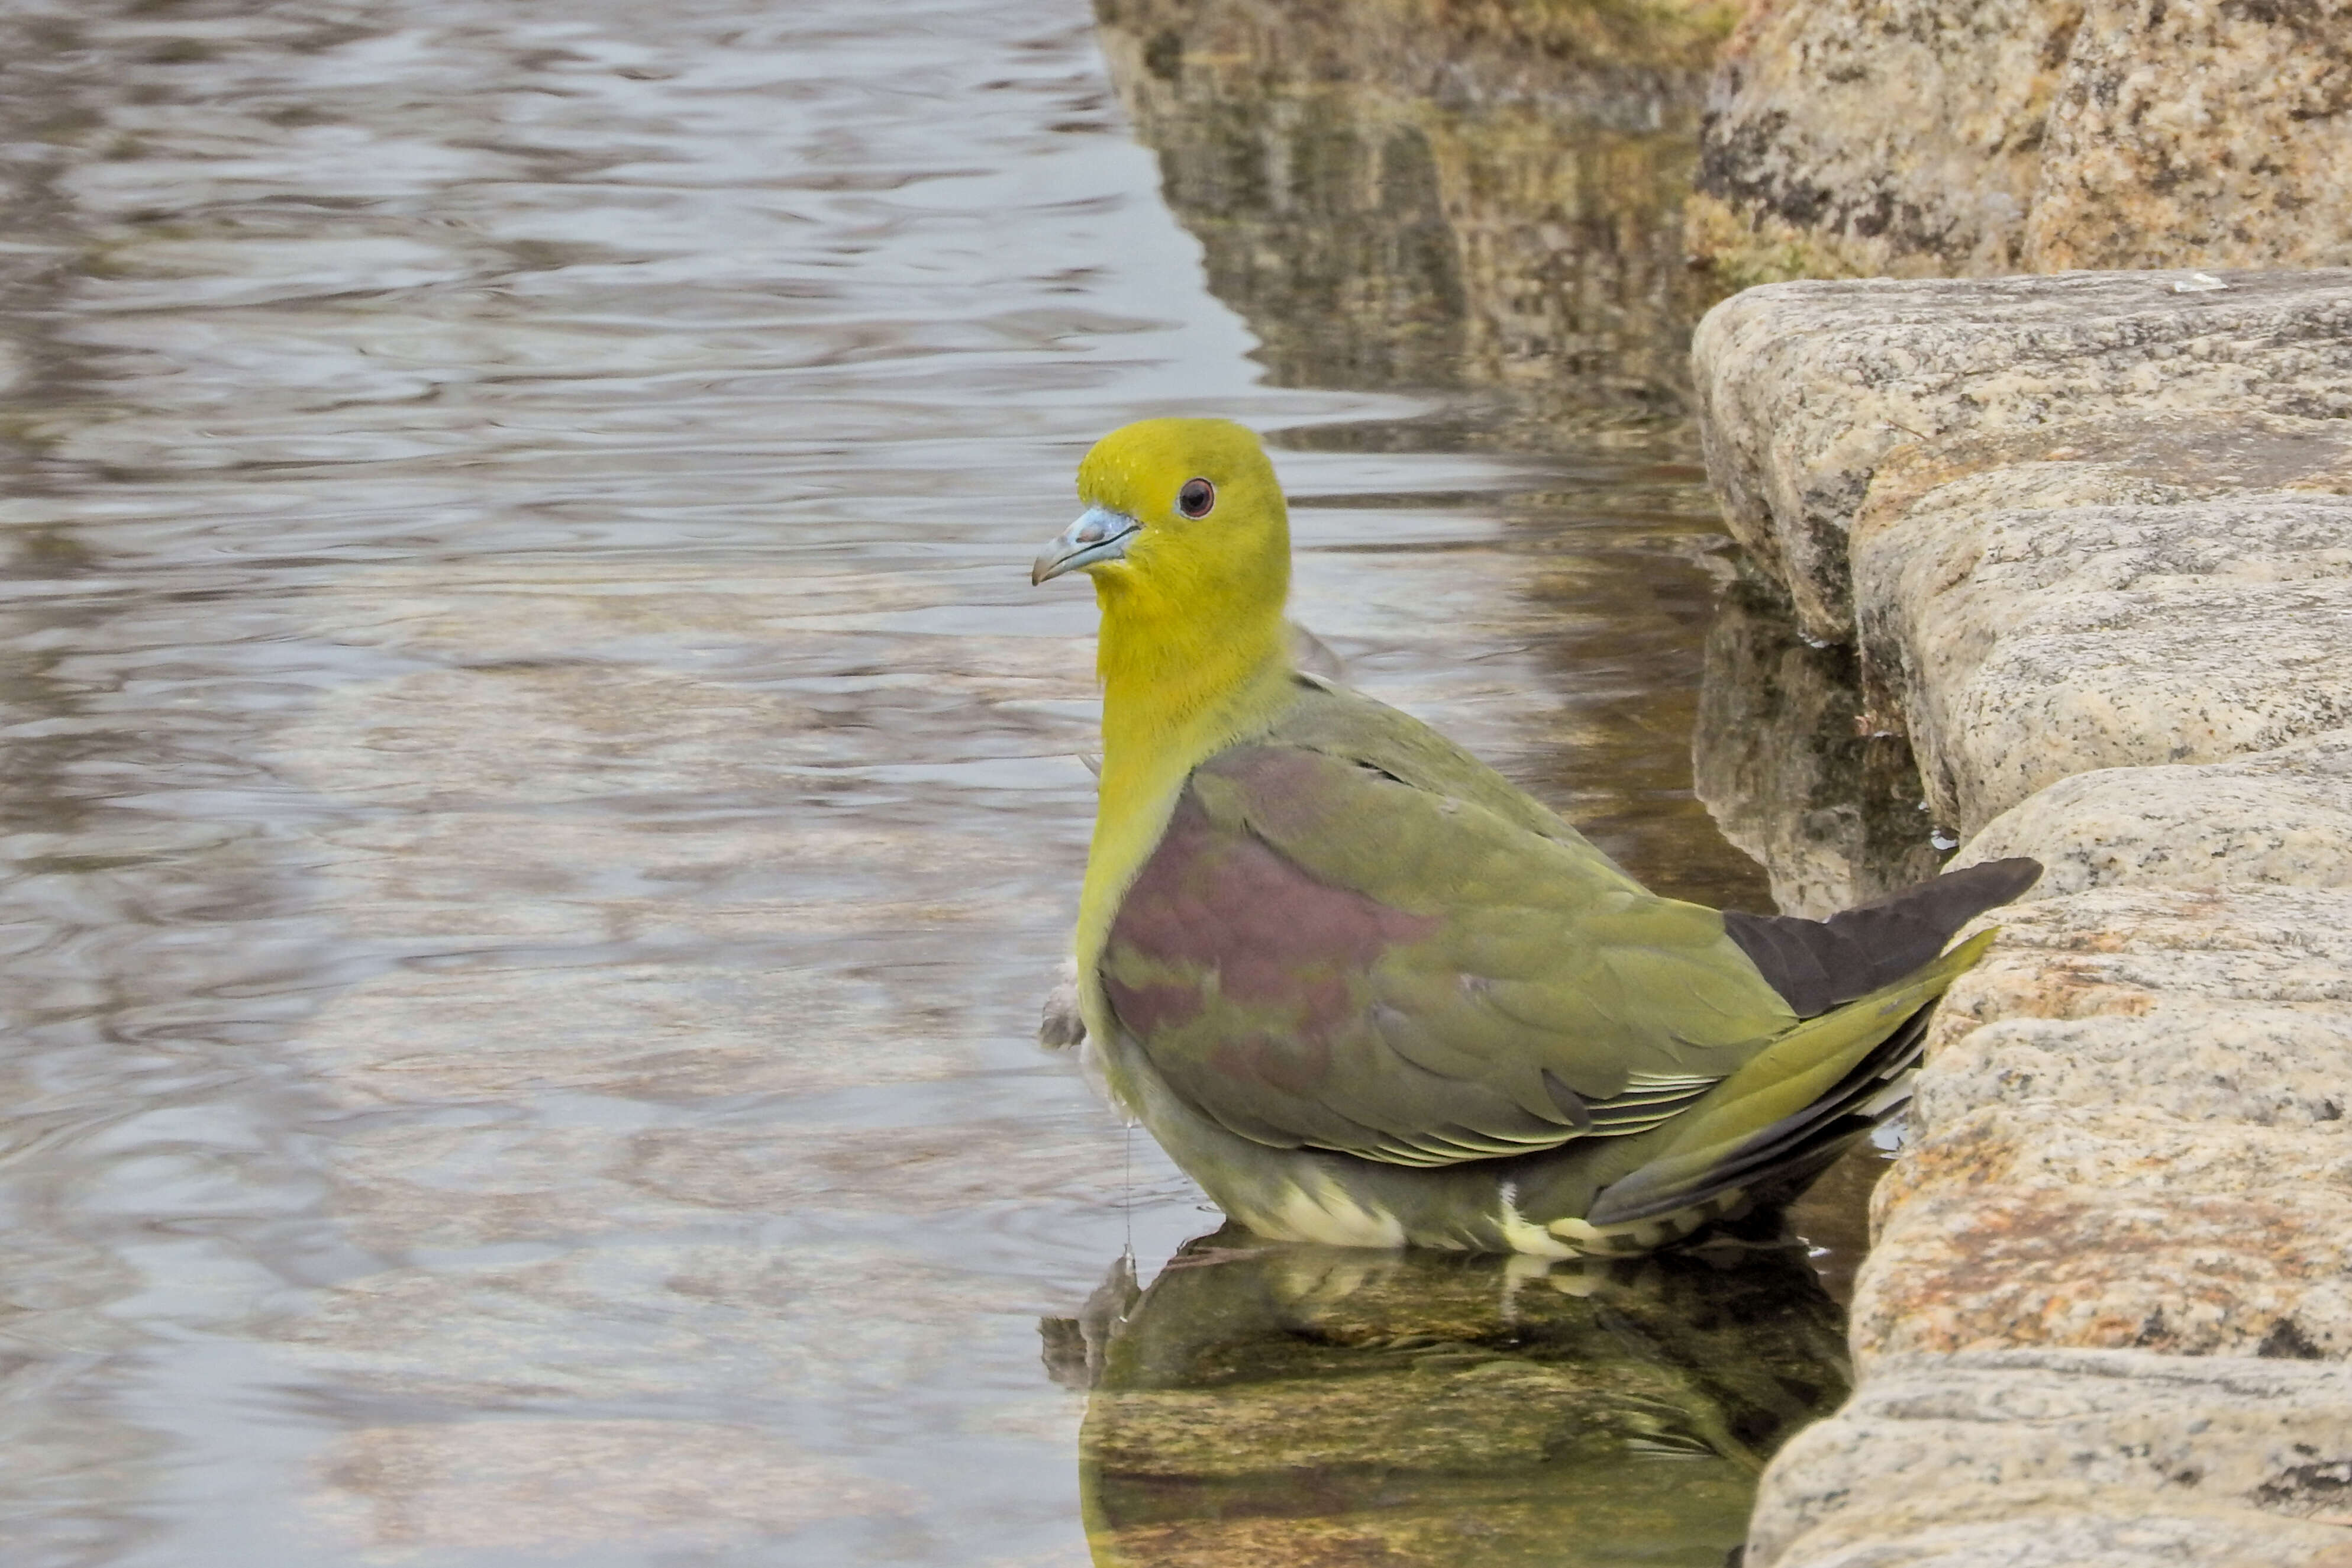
(1099, 535)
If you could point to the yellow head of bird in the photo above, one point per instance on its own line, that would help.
(1184, 525)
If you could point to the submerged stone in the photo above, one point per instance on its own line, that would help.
(1310, 1404)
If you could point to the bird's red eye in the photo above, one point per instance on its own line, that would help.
(1196, 498)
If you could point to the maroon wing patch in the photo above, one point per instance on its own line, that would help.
(1300, 1013)
(1221, 920)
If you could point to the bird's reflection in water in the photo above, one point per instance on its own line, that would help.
(1315, 1407)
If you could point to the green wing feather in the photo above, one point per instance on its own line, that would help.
(1355, 936)
(1784, 1095)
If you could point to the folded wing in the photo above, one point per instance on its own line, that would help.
(1321, 954)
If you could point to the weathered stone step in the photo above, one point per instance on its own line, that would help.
(1805, 389)
(2069, 1459)
(2095, 539)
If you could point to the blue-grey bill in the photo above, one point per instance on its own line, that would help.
(1100, 534)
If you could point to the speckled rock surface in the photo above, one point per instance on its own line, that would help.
(2214, 134)
(2133, 1134)
(2110, 599)
(1915, 138)
(2068, 1458)
(2279, 816)
(2037, 602)
(1806, 389)
(2022, 645)
(1902, 137)
(2073, 1005)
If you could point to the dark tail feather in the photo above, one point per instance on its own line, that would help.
(1818, 965)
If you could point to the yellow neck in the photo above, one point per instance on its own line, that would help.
(1174, 694)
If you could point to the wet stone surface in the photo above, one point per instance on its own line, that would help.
(539, 808)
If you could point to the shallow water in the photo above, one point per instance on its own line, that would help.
(541, 805)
